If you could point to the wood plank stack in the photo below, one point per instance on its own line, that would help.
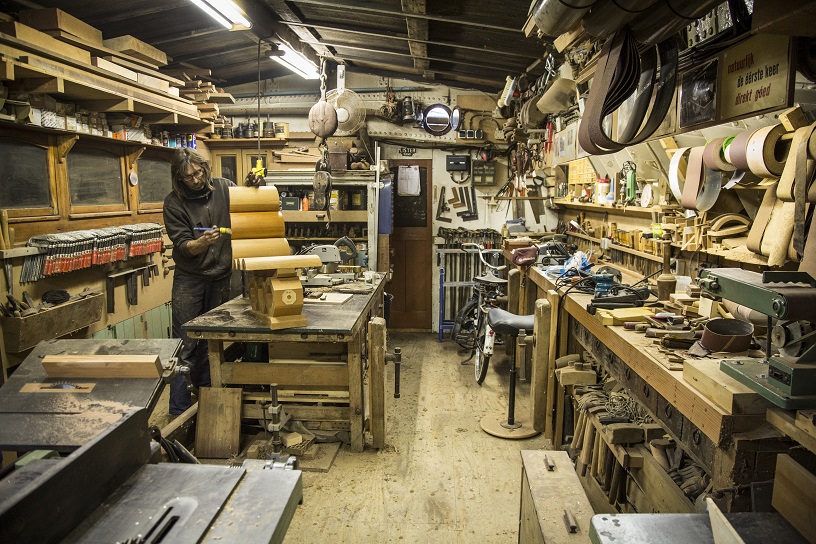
(206, 96)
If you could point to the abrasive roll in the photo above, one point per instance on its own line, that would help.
(257, 225)
(713, 156)
(254, 199)
(766, 153)
(678, 167)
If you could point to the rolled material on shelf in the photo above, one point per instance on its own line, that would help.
(260, 247)
(606, 17)
(254, 199)
(713, 156)
(257, 225)
(668, 17)
(761, 220)
(554, 17)
(778, 233)
(702, 187)
(766, 151)
(678, 167)
(561, 94)
(276, 263)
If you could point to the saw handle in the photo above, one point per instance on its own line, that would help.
(345, 241)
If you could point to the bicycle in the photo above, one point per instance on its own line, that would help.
(471, 329)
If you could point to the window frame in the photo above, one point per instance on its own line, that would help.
(41, 141)
(100, 210)
(153, 155)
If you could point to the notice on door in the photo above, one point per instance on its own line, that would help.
(754, 76)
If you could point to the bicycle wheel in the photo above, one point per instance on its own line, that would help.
(464, 325)
(482, 358)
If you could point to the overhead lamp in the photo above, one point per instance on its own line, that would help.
(225, 12)
(296, 62)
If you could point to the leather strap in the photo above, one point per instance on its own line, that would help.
(620, 72)
(804, 176)
(765, 151)
(761, 220)
(702, 187)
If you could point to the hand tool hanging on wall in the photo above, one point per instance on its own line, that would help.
(442, 207)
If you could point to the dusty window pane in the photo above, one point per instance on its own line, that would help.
(94, 178)
(154, 180)
(23, 176)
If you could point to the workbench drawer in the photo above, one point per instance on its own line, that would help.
(22, 333)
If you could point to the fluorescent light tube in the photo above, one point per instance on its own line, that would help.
(297, 63)
(225, 12)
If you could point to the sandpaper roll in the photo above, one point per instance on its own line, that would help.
(257, 225)
(737, 151)
(677, 172)
(713, 158)
(254, 199)
(804, 167)
(260, 247)
(778, 233)
(695, 179)
(766, 152)
(788, 180)
(729, 335)
(754, 242)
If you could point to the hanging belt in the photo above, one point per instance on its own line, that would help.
(620, 72)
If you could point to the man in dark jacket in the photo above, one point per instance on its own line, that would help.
(203, 259)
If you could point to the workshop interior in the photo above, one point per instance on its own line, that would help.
(408, 271)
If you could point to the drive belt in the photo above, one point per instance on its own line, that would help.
(622, 71)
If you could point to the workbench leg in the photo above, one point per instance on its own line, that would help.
(541, 357)
(215, 349)
(376, 381)
(356, 406)
(549, 400)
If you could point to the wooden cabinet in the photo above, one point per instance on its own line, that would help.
(235, 158)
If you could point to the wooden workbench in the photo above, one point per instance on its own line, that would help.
(733, 448)
(318, 368)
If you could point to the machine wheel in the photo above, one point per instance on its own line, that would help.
(464, 325)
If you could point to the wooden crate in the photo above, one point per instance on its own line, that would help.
(22, 333)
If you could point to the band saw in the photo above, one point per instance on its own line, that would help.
(787, 379)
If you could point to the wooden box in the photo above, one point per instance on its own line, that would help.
(22, 333)
(56, 19)
(545, 495)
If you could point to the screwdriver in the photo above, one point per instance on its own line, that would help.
(222, 230)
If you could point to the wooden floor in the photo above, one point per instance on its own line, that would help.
(441, 478)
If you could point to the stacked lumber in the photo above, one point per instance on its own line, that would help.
(206, 96)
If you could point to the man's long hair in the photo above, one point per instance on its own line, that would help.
(183, 158)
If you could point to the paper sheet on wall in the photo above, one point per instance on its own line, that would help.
(408, 181)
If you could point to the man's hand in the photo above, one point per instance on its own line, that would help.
(200, 244)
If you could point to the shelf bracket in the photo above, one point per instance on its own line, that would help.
(134, 155)
(64, 146)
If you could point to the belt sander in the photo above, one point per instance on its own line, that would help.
(787, 378)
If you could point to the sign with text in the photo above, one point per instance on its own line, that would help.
(755, 75)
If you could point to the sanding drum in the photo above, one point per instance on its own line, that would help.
(729, 335)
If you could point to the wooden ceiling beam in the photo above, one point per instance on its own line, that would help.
(464, 76)
(507, 68)
(489, 86)
(417, 30)
(349, 30)
(303, 33)
(349, 5)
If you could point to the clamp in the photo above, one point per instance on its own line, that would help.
(173, 368)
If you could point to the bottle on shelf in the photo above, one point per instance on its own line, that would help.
(304, 203)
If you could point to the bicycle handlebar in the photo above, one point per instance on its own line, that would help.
(481, 251)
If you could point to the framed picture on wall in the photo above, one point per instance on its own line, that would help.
(698, 95)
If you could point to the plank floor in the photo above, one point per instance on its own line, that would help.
(440, 478)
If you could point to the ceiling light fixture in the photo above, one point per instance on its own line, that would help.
(296, 62)
(225, 12)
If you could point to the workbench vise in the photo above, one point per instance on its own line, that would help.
(787, 379)
(173, 368)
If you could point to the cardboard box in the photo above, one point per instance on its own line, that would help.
(56, 19)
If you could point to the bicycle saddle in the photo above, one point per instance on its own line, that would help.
(503, 322)
(488, 278)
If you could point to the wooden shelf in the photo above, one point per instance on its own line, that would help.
(597, 208)
(320, 239)
(81, 135)
(619, 247)
(245, 142)
(488, 197)
(351, 216)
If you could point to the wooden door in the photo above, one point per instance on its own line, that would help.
(227, 164)
(412, 244)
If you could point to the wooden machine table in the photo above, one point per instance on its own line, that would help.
(316, 364)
